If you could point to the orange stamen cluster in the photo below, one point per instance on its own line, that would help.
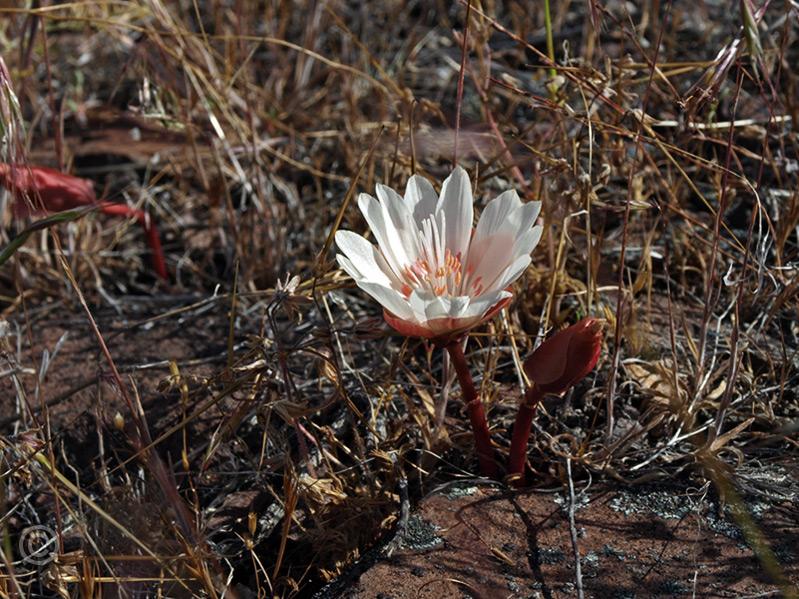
(444, 279)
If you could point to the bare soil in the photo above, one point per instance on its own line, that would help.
(473, 541)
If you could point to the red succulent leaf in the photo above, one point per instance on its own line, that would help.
(39, 189)
(566, 357)
(55, 190)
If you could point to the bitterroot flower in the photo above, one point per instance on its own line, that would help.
(434, 275)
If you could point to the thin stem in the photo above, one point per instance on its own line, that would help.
(147, 223)
(521, 433)
(474, 408)
(578, 574)
(461, 74)
(550, 40)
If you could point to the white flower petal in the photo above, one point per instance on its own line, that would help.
(513, 272)
(390, 299)
(427, 305)
(458, 305)
(421, 198)
(530, 212)
(395, 205)
(495, 216)
(365, 259)
(480, 305)
(397, 211)
(384, 231)
(457, 204)
(437, 308)
(507, 214)
(419, 300)
(348, 267)
(526, 242)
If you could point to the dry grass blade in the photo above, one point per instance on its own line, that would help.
(41, 225)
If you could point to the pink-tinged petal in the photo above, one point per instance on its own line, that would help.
(527, 241)
(521, 259)
(529, 214)
(506, 214)
(493, 260)
(457, 204)
(488, 259)
(421, 198)
(365, 259)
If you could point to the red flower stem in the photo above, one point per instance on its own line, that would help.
(474, 408)
(157, 253)
(153, 239)
(521, 434)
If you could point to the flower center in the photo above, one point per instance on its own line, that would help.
(442, 278)
(436, 269)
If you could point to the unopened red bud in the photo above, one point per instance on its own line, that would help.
(566, 357)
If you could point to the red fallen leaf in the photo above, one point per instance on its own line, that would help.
(40, 189)
(566, 357)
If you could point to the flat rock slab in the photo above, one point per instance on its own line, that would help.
(477, 542)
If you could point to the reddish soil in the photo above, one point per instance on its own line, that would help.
(463, 542)
(482, 543)
(77, 381)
